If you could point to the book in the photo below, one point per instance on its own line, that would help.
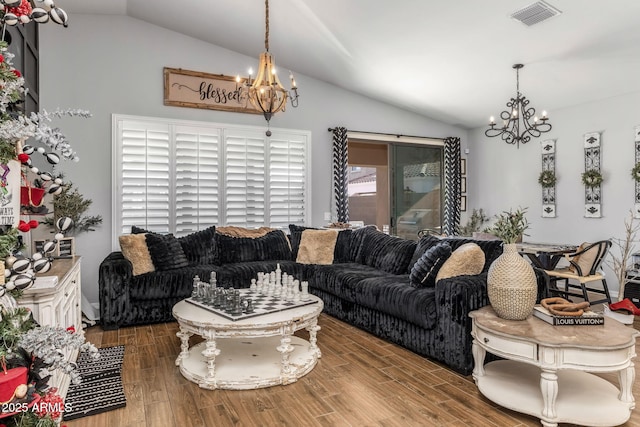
(589, 318)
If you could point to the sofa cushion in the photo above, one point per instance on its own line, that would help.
(468, 259)
(387, 253)
(425, 270)
(393, 295)
(168, 284)
(274, 245)
(341, 279)
(200, 247)
(239, 275)
(134, 248)
(166, 252)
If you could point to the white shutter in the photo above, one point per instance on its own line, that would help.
(144, 176)
(179, 177)
(197, 168)
(244, 161)
(287, 179)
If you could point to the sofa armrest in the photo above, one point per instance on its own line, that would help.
(456, 297)
(115, 272)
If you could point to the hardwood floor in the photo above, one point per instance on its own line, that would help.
(360, 381)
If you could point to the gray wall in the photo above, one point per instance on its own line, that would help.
(113, 64)
(503, 177)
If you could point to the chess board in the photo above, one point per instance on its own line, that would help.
(262, 304)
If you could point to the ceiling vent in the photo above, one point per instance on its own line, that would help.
(535, 13)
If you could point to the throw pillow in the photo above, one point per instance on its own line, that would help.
(166, 252)
(342, 246)
(200, 247)
(424, 271)
(134, 248)
(270, 247)
(585, 260)
(468, 259)
(317, 246)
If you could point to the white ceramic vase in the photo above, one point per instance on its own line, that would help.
(511, 285)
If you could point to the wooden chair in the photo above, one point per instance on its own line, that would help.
(585, 267)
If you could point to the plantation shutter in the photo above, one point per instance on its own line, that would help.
(245, 178)
(197, 166)
(181, 176)
(287, 180)
(144, 177)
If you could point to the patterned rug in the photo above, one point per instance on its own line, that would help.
(101, 388)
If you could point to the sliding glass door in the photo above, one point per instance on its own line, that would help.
(417, 176)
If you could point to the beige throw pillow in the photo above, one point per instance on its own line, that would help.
(317, 246)
(468, 259)
(134, 248)
(586, 259)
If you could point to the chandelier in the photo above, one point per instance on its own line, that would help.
(265, 92)
(519, 121)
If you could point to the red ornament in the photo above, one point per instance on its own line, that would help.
(23, 9)
(17, 73)
(23, 226)
(71, 329)
(23, 157)
(33, 223)
(1, 61)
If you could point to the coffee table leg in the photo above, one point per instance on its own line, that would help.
(549, 388)
(184, 336)
(313, 340)
(626, 377)
(479, 354)
(210, 352)
(285, 348)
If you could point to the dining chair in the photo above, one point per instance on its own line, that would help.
(584, 268)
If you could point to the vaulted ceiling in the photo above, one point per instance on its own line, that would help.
(449, 60)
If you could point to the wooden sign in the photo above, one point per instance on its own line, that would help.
(184, 88)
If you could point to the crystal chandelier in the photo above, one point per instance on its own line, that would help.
(519, 122)
(265, 92)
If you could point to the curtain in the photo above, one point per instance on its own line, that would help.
(451, 213)
(340, 173)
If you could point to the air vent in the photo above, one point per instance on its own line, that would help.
(535, 13)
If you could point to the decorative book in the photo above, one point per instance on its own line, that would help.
(588, 318)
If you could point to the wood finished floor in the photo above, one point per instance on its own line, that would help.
(360, 381)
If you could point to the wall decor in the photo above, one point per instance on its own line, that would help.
(463, 184)
(592, 177)
(194, 89)
(636, 208)
(463, 166)
(548, 178)
(463, 203)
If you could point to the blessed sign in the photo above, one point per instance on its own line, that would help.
(184, 88)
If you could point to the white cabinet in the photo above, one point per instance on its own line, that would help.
(57, 304)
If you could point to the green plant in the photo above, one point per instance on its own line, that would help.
(510, 226)
(592, 178)
(474, 223)
(635, 172)
(9, 242)
(72, 204)
(547, 179)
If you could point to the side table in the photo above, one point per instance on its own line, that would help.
(547, 371)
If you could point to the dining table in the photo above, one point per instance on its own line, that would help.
(545, 255)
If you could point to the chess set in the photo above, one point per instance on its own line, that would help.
(269, 293)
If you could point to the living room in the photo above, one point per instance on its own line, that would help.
(109, 62)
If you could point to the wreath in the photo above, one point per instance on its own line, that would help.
(547, 179)
(635, 172)
(592, 178)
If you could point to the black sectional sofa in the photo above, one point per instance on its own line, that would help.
(367, 285)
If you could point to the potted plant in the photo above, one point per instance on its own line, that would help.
(511, 282)
(510, 226)
(474, 224)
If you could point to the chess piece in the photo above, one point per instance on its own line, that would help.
(253, 286)
(194, 292)
(305, 289)
(249, 309)
(212, 280)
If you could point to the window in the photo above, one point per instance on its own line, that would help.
(179, 177)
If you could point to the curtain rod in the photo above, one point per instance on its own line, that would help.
(389, 134)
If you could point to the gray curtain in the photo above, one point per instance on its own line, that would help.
(451, 212)
(340, 173)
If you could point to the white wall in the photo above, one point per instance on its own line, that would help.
(503, 177)
(113, 64)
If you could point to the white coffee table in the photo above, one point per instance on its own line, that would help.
(246, 354)
(547, 371)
